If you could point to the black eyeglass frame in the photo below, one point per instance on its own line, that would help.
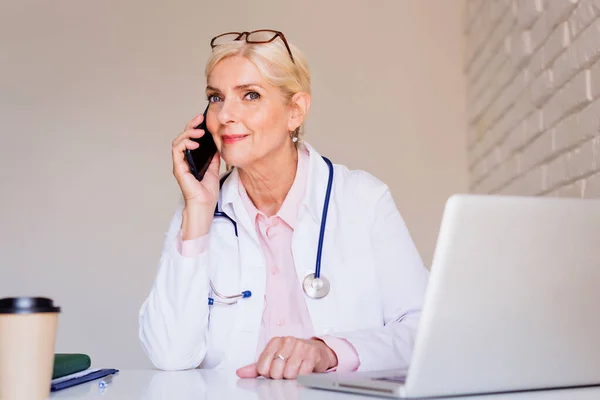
(240, 35)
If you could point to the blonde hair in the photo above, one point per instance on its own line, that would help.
(274, 64)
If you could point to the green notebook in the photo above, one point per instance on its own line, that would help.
(67, 364)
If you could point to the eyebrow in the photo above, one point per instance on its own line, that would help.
(238, 87)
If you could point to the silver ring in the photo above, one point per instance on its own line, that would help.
(279, 356)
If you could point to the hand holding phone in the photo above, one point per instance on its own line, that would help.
(199, 159)
(199, 182)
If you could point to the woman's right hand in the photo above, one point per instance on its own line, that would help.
(200, 196)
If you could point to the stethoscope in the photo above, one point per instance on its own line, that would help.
(315, 285)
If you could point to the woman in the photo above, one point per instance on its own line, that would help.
(276, 204)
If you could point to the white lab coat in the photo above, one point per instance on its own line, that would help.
(377, 279)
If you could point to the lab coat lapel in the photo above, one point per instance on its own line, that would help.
(306, 238)
(252, 265)
(232, 204)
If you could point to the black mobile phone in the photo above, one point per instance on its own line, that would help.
(200, 158)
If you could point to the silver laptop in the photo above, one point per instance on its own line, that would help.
(513, 303)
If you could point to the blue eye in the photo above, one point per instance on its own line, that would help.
(213, 98)
(252, 96)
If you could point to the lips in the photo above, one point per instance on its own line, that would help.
(229, 139)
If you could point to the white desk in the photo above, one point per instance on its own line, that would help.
(216, 385)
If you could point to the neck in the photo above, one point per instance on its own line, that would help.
(269, 180)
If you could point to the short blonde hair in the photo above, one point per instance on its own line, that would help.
(274, 63)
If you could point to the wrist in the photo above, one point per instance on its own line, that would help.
(333, 360)
(195, 222)
(330, 354)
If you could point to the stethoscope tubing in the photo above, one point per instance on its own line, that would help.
(230, 300)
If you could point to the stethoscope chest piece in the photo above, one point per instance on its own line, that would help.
(316, 288)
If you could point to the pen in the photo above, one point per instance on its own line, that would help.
(105, 381)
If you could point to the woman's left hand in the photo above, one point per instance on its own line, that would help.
(288, 357)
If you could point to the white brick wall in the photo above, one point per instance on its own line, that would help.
(533, 69)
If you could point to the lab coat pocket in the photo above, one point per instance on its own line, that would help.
(224, 273)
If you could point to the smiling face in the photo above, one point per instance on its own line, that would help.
(248, 117)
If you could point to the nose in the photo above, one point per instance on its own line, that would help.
(228, 112)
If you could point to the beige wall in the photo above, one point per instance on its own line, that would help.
(534, 97)
(93, 92)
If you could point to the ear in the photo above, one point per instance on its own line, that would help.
(300, 104)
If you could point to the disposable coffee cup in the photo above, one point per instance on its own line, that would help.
(27, 336)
